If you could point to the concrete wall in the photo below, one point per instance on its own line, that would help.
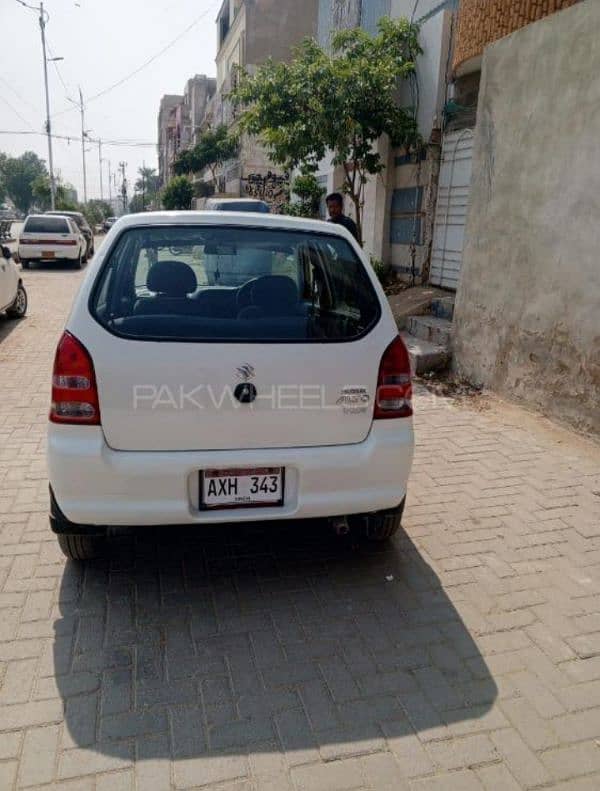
(528, 305)
(274, 27)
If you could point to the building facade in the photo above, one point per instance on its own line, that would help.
(399, 202)
(248, 33)
(477, 24)
(180, 118)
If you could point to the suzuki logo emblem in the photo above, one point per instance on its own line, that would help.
(246, 372)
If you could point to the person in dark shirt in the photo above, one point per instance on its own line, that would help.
(335, 207)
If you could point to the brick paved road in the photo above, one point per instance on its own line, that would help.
(466, 656)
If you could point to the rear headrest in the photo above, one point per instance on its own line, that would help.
(173, 278)
(274, 292)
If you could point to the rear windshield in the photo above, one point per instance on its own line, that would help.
(225, 283)
(46, 225)
(241, 206)
(78, 219)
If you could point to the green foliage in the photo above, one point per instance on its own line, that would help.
(203, 190)
(42, 197)
(18, 175)
(213, 149)
(383, 271)
(148, 181)
(340, 102)
(309, 191)
(178, 193)
(96, 211)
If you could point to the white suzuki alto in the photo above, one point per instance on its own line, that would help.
(283, 392)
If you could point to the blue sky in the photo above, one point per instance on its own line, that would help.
(101, 42)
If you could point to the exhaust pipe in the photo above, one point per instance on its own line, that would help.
(340, 525)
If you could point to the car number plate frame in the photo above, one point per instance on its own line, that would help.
(231, 488)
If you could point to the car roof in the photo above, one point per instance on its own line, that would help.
(65, 213)
(251, 219)
(237, 200)
(43, 216)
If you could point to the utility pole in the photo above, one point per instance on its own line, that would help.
(83, 134)
(109, 186)
(122, 166)
(48, 126)
(144, 186)
(100, 163)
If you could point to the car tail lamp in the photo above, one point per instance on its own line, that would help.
(74, 390)
(394, 385)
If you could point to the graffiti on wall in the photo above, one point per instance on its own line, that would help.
(272, 188)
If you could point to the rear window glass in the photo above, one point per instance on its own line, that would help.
(46, 225)
(240, 206)
(78, 219)
(225, 283)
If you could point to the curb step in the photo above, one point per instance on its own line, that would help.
(424, 355)
(431, 328)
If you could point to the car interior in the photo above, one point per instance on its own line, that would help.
(260, 289)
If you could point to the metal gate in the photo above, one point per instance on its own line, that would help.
(451, 209)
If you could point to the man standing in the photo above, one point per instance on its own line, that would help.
(335, 207)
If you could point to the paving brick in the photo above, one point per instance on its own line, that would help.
(382, 773)
(39, 757)
(337, 776)
(23, 715)
(465, 780)
(568, 762)
(463, 753)
(74, 763)
(116, 781)
(521, 761)
(18, 681)
(497, 778)
(8, 773)
(477, 666)
(210, 769)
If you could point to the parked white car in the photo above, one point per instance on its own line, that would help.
(174, 401)
(13, 297)
(46, 237)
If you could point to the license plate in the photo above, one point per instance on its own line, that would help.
(47, 254)
(256, 487)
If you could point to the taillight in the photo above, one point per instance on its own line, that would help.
(394, 386)
(74, 391)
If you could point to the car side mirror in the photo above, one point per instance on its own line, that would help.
(6, 253)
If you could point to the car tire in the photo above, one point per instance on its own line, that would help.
(24, 264)
(18, 309)
(380, 526)
(81, 547)
(78, 263)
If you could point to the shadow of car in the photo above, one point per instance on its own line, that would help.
(265, 639)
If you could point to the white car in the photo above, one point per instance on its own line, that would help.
(13, 297)
(177, 402)
(46, 237)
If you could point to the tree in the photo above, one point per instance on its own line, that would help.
(40, 189)
(96, 211)
(213, 149)
(147, 188)
(19, 175)
(178, 193)
(137, 203)
(310, 193)
(340, 103)
(148, 181)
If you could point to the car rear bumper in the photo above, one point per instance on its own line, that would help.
(28, 252)
(95, 485)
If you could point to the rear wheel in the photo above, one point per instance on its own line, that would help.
(381, 525)
(19, 307)
(78, 263)
(81, 547)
